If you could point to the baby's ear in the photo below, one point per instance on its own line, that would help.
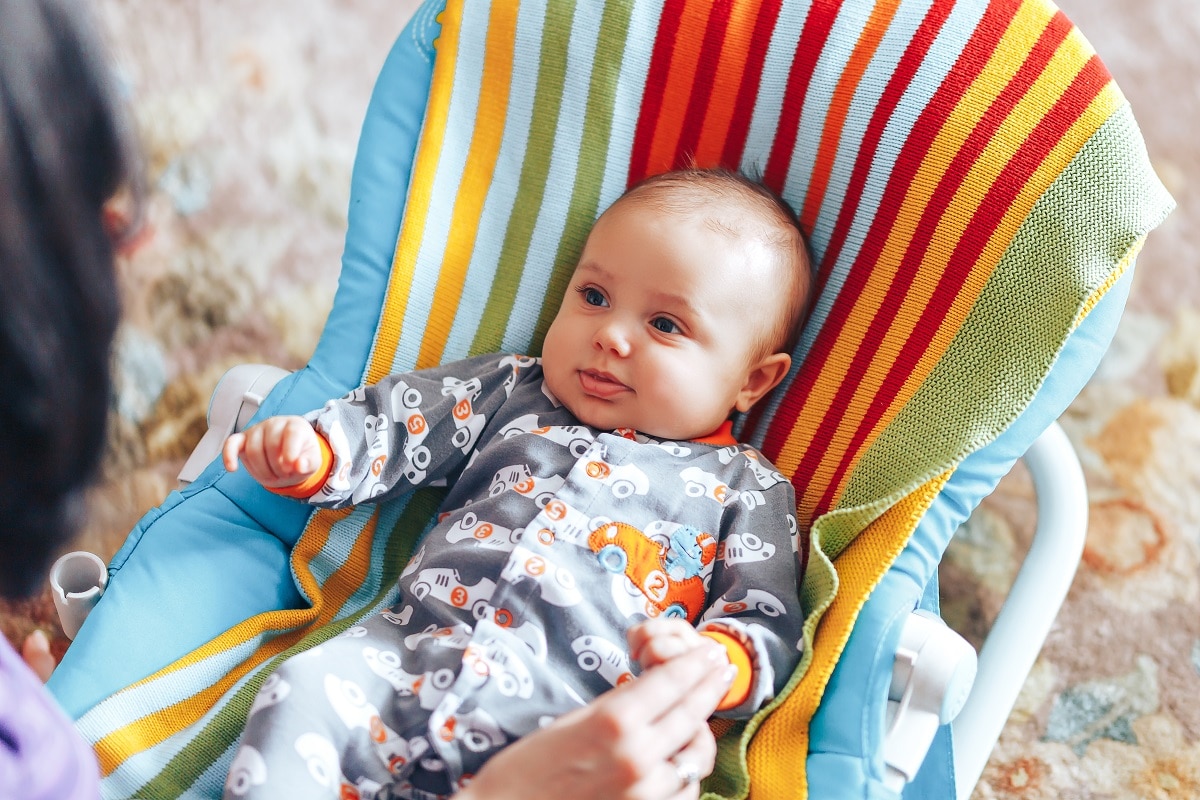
(762, 378)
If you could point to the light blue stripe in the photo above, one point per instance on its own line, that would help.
(212, 780)
(777, 65)
(829, 69)
(460, 124)
(631, 86)
(499, 205)
(564, 163)
(364, 596)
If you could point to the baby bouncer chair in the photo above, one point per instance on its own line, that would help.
(975, 190)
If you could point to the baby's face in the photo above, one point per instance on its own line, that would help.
(659, 325)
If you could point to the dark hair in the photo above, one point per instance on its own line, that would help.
(63, 153)
(684, 190)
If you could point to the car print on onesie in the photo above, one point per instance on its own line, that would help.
(468, 425)
(519, 479)
(485, 534)
(699, 483)
(622, 548)
(406, 411)
(623, 480)
(444, 584)
(761, 601)
(597, 654)
(556, 583)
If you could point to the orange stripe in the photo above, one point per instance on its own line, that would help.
(684, 57)
(154, 728)
(420, 193)
(486, 136)
(735, 53)
(835, 120)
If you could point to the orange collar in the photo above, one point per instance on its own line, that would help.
(723, 435)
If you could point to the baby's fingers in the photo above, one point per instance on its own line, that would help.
(232, 451)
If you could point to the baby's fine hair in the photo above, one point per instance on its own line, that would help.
(681, 191)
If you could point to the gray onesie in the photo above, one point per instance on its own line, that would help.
(554, 539)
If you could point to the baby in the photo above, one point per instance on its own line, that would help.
(590, 490)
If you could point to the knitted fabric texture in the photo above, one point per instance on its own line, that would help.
(971, 180)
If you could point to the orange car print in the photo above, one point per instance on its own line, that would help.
(622, 548)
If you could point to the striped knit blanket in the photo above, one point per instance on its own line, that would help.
(972, 180)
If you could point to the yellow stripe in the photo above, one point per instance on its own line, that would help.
(420, 194)
(486, 137)
(154, 728)
(777, 755)
(1020, 37)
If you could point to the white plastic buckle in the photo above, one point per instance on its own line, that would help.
(238, 396)
(931, 678)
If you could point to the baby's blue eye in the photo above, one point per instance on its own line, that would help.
(593, 297)
(665, 325)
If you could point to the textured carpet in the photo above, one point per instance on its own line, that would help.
(248, 113)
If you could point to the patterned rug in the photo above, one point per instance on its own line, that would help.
(248, 114)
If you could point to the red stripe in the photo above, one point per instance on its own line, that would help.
(813, 37)
(739, 130)
(702, 87)
(656, 87)
(976, 235)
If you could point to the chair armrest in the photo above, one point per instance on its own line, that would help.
(238, 396)
(1038, 592)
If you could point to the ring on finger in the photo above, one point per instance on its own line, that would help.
(688, 773)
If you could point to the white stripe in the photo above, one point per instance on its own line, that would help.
(777, 66)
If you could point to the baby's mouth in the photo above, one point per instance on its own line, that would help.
(601, 384)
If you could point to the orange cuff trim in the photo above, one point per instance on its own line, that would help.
(309, 486)
(739, 690)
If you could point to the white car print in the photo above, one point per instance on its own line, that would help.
(752, 499)
(349, 701)
(560, 522)
(743, 548)
(698, 483)
(445, 585)
(386, 664)
(522, 424)
(491, 660)
(624, 480)
(675, 448)
(432, 687)
(455, 637)
(519, 479)
(575, 438)
(763, 602)
(377, 436)
(517, 363)
(597, 654)
(249, 769)
(477, 730)
(557, 585)
(402, 618)
(486, 534)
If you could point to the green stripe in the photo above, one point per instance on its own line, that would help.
(1076, 234)
(223, 729)
(531, 187)
(597, 131)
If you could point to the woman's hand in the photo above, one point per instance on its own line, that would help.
(648, 739)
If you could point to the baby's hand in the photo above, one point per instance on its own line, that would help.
(659, 640)
(278, 452)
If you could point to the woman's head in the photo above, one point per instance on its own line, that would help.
(62, 155)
